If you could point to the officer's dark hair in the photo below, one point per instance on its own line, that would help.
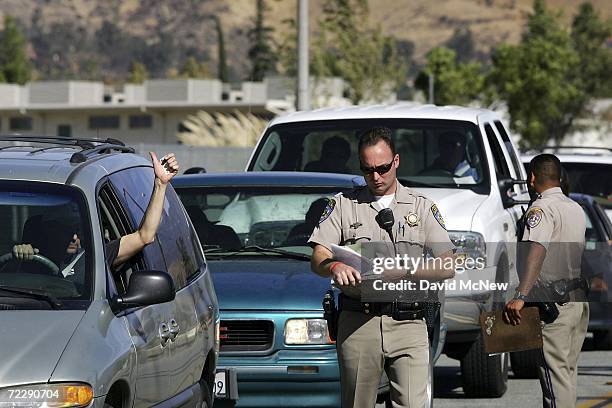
(372, 136)
(547, 168)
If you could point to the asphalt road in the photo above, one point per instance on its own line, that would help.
(594, 385)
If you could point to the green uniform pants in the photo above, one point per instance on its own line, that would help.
(367, 345)
(563, 340)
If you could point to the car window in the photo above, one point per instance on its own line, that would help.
(115, 223)
(133, 188)
(516, 163)
(178, 242)
(230, 218)
(591, 231)
(51, 223)
(442, 153)
(175, 248)
(592, 179)
(501, 167)
(607, 224)
(592, 234)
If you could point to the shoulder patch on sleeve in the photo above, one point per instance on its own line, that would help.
(534, 216)
(437, 215)
(329, 208)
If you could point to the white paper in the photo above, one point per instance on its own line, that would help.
(349, 256)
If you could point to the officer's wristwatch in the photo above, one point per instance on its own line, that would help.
(519, 296)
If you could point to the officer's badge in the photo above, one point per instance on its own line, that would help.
(412, 219)
(437, 215)
(534, 216)
(329, 208)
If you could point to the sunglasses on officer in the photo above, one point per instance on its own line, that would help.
(382, 169)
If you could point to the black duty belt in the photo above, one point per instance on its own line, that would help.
(564, 286)
(406, 311)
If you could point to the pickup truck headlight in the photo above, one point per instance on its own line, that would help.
(306, 331)
(472, 244)
(70, 395)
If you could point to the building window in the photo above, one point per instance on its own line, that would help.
(20, 123)
(141, 121)
(104, 122)
(64, 130)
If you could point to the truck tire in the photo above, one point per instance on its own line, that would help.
(525, 363)
(484, 376)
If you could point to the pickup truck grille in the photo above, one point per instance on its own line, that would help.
(246, 335)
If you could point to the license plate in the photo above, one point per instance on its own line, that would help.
(220, 386)
(225, 386)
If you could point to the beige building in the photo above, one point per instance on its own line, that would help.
(147, 113)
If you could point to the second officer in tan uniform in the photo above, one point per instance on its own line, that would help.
(370, 336)
(554, 235)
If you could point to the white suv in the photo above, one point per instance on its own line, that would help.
(461, 158)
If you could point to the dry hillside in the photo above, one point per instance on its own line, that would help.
(425, 23)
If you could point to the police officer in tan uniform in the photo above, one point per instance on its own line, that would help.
(370, 336)
(554, 235)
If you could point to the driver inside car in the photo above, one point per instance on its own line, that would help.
(452, 158)
(54, 239)
(45, 237)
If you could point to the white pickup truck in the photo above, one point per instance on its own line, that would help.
(461, 158)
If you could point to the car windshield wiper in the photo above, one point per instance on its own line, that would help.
(255, 248)
(414, 183)
(34, 294)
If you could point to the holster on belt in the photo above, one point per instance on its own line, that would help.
(547, 296)
(330, 314)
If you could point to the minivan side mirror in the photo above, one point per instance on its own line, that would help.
(504, 186)
(146, 288)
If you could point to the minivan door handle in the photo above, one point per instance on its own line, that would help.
(164, 334)
(174, 329)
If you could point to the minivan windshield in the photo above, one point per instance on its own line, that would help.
(254, 221)
(433, 153)
(45, 247)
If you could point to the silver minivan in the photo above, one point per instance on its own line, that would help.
(72, 333)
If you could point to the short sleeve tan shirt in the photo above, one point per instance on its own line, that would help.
(350, 218)
(557, 223)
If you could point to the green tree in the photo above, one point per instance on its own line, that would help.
(221, 56)
(286, 49)
(138, 73)
(537, 79)
(454, 83)
(14, 64)
(347, 47)
(589, 36)
(263, 58)
(194, 69)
